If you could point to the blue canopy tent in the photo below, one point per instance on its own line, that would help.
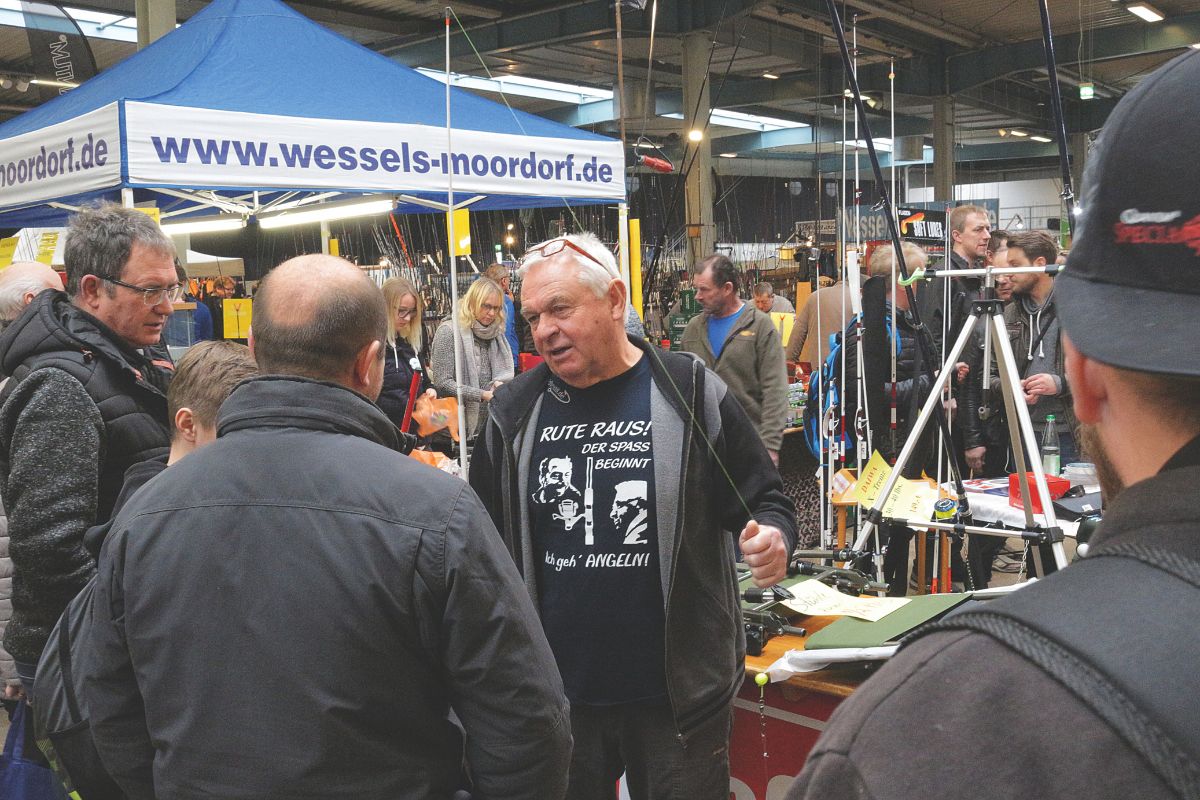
(251, 108)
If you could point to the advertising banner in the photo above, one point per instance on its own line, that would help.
(79, 155)
(170, 145)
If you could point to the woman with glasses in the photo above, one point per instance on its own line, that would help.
(482, 349)
(402, 359)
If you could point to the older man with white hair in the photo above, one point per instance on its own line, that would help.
(644, 622)
(22, 281)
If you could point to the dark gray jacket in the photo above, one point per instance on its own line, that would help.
(294, 611)
(80, 408)
(993, 726)
(697, 508)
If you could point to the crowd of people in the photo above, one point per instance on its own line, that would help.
(280, 603)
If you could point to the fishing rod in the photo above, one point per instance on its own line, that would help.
(1064, 157)
(923, 337)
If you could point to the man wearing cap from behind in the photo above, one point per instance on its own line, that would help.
(1082, 681)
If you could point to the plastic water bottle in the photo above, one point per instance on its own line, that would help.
(1051, 460)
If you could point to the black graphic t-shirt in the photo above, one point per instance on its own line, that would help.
(595, 537)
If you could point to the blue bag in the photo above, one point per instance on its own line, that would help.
(21, 779)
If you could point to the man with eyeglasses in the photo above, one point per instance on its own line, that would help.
(82, 405)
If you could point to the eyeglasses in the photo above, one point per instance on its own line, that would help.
(556, 246)
(405, 313)
(152, 295)
(491, 308)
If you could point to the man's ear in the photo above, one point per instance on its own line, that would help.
(1089, 389)
(364, 362)
(90, 287)
(185, 424)
(616, 297)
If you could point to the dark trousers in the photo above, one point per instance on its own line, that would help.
(640, 740)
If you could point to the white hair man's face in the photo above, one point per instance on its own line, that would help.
(578, 333)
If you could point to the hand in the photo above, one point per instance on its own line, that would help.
(486, 395)
(975, 458)
(14, 691)
(1040, 384)
(962, 369)
(421, 405)
(951, 406)
(764, 552)
(774, 454)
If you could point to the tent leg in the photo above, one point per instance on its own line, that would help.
(127, 198)
(623, 240)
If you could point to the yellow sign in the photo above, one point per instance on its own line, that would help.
(236, 315)
(462, 231)
(783, 323)
(150, 211)
(8, 248)
(635, 264)
(46, 247)
(910, 500)
(335, 247)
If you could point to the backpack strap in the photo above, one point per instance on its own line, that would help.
(1150, 598)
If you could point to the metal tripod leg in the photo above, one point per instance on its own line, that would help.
(914, 436)
(1023, 440)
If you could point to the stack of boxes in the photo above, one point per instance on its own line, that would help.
(688, 308)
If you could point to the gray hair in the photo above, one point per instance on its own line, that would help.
(596, 276)
(764, 289)
(12, 296)
(100, 240)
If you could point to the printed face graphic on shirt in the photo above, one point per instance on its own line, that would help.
(556, 490)
(629, 511)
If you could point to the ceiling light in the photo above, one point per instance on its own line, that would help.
(56, 84)
(1145, 11)
(1087, 91)
(1195, 46)
(1042, 139)
(1015, 132)
(728, 155)
(1003, 132)
(695, 135)
(22, 86)
(6, 83)
(771, 76)
(327, 213)
(205, 225)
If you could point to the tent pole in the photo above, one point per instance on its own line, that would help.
(623, 243)
(127, 198)
(452, 242)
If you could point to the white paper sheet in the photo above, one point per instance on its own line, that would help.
(814, 598)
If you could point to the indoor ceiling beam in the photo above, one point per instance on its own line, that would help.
(564, 22)
(1098, 44)
(970, 153)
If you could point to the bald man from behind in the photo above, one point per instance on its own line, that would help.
(296, 609)
(22, 281)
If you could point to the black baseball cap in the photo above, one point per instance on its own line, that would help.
(1130, 294)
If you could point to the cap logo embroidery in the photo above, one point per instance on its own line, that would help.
(1185, 233)
(1131, 216)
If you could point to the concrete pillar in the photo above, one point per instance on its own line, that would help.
(1077, 146)
(943, 149)
(698, 192)
(155, 19)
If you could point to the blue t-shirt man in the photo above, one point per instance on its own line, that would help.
(719, 328)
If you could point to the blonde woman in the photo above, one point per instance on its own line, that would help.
(482, 349)
(402, 358)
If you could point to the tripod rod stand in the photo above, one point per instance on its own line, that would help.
(1020, 429)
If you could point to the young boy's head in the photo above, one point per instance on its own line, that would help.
(203, 378)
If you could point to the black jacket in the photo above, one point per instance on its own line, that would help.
(992, 725)
(294, 610)
(81, 406)
(397, 379)
(702, 496)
